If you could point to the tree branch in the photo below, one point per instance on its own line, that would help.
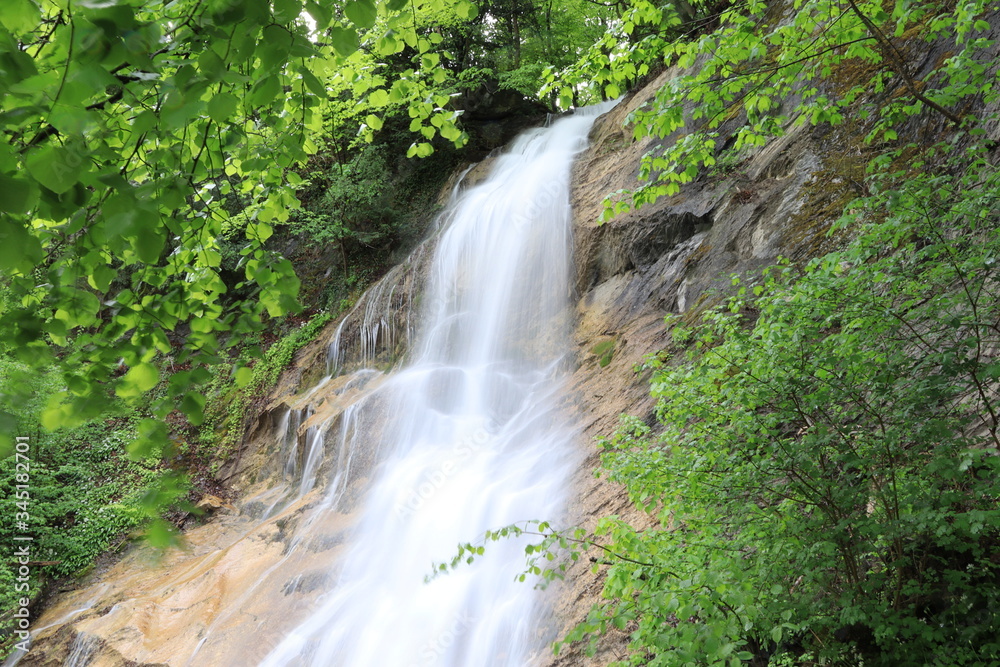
(891, 53)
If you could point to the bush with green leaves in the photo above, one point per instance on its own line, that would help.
(763, 68)
(131, 128)
(824, 468)
(352, 201)
(86, 497)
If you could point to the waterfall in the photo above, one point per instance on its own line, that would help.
(378, 475)
(474, 440)
(82, 650)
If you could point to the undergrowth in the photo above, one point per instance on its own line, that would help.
(229, 402)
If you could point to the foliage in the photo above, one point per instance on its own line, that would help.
(228, 404)
(604, 351)
(138, 133)
(823, 467)
(823, 472)
(772, 68)
(826, 473)
(130, 127)
(633, 43)
(150, 150)
(354, 201)
(85, 497)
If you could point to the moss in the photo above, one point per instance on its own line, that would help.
(604, 351)
(824, 201)
(852, 72)
(696, 256)
(231, 409)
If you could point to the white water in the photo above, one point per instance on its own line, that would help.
(381, 475)
(473, 443)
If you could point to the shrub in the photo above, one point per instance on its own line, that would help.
(824, 465)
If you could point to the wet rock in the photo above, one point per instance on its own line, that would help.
(210, 503)
(493, 115)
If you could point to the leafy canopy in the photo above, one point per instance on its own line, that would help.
(761, 69)
(132, 128)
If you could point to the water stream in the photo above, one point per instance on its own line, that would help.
(474, 442)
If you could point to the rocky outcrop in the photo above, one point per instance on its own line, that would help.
(493, 115)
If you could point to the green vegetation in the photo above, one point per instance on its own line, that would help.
(604, 351)
(822, 471)
(95, 487)
(228, 407)
(147, 142)
(86, 494)
(822, 468)
(751, 71)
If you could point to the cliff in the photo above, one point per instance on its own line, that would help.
(671, 257)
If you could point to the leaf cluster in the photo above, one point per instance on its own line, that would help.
(824, 468)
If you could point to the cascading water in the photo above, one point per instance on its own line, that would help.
(376, 475)
(474, 442)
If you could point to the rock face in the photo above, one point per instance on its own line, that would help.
(630, 273)
(672, 257)
(493, 115)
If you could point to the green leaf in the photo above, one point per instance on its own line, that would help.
(344, 40)
(361, 12)
(422, 149)
(211, 65)
(259, 231)
(320, 13)
(193, 405)
(162, 534)
(242, 376)
(17, 195)
(152, 437)
(101, 277)
(286, 11)
(139, 379)
(20, 16)
(56, 167)
(387, 44)
(396, 5)
(274, 47)
(71, 120)
(466, 10)
(222, 106)
(19, 249)
(148, 243)
(57, 412)
(266, 91)
(313, 83)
